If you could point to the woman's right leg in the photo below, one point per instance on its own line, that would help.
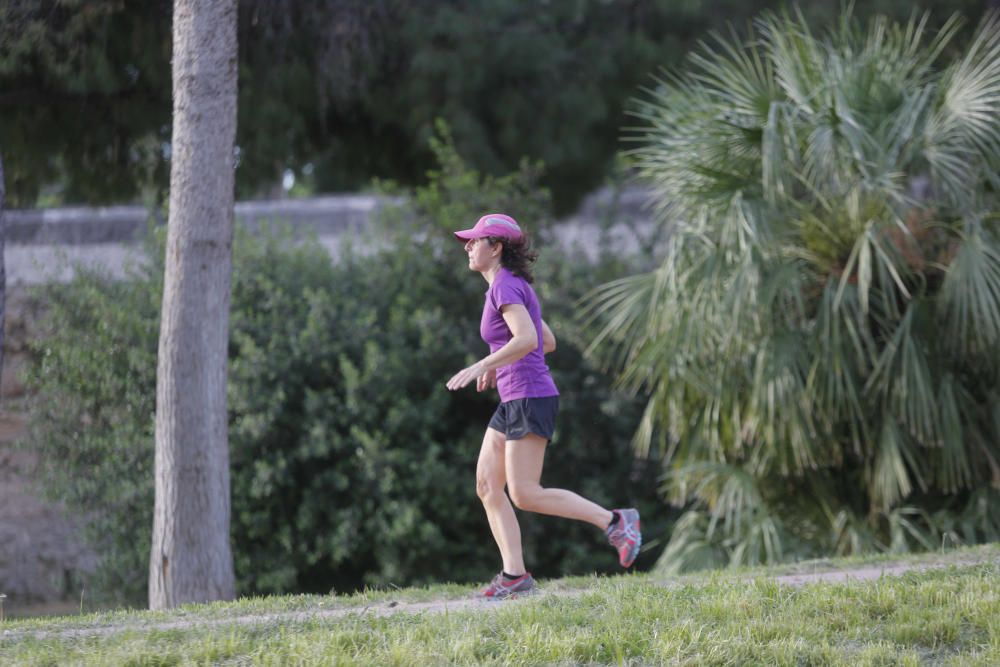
(491, 478)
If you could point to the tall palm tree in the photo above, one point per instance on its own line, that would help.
(821, 343)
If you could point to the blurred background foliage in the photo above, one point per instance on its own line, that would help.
(352, 465)
(336, 92)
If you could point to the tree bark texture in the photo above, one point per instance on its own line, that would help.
(191, 559)
(3, 267)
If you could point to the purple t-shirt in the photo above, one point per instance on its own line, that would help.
(527, 377)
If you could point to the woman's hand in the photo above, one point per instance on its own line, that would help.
(487, 380)
(523, 340)
(467, 375)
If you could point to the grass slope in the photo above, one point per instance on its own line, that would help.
(949, 614)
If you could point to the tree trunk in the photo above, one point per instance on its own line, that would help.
(190, 559)
(3, 271)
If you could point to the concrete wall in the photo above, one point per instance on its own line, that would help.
(45, 245)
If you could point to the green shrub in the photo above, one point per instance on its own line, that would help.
(93, 384)
(352, 464)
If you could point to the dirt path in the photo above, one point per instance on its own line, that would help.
(388, 608)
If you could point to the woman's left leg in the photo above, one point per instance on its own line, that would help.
(524, 460)
(491, 478)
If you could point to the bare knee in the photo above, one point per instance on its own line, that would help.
(490, 473)
(525, 496)
(487, 490)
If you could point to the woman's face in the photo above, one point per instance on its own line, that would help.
(482, 256)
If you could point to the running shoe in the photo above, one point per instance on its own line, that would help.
(502, 588)
(625, 536)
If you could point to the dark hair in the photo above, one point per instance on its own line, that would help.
(517, 256)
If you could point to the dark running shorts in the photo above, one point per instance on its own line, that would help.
(522, 416)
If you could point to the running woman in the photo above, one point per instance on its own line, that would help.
(513, 448)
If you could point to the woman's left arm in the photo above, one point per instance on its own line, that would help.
(548, 339)
(523, 340)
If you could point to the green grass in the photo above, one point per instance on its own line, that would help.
(954, 556)
(943, 616)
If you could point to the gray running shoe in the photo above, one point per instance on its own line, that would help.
(502, 588)
(625, 536)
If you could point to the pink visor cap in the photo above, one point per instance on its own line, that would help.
(492, 224)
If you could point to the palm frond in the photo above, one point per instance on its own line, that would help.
(780, 152)
(778, 414)
(762, 543)
(727, 490)
(875, 264)
(971, 292)
(842, 353)
(689, 549)
(903, 384)
(963, 135)
(896, 468)
(737, 522)
(796, 57)
(737, 74)
(908, 525)
(852, 535)
(898, 134)
(979, 520)
(646, 431)
(909, 43)
(618, 312)
(953, 466)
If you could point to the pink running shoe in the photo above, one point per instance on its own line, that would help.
(502, 588)
(625, 536)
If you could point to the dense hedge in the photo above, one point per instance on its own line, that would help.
(352, 465)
